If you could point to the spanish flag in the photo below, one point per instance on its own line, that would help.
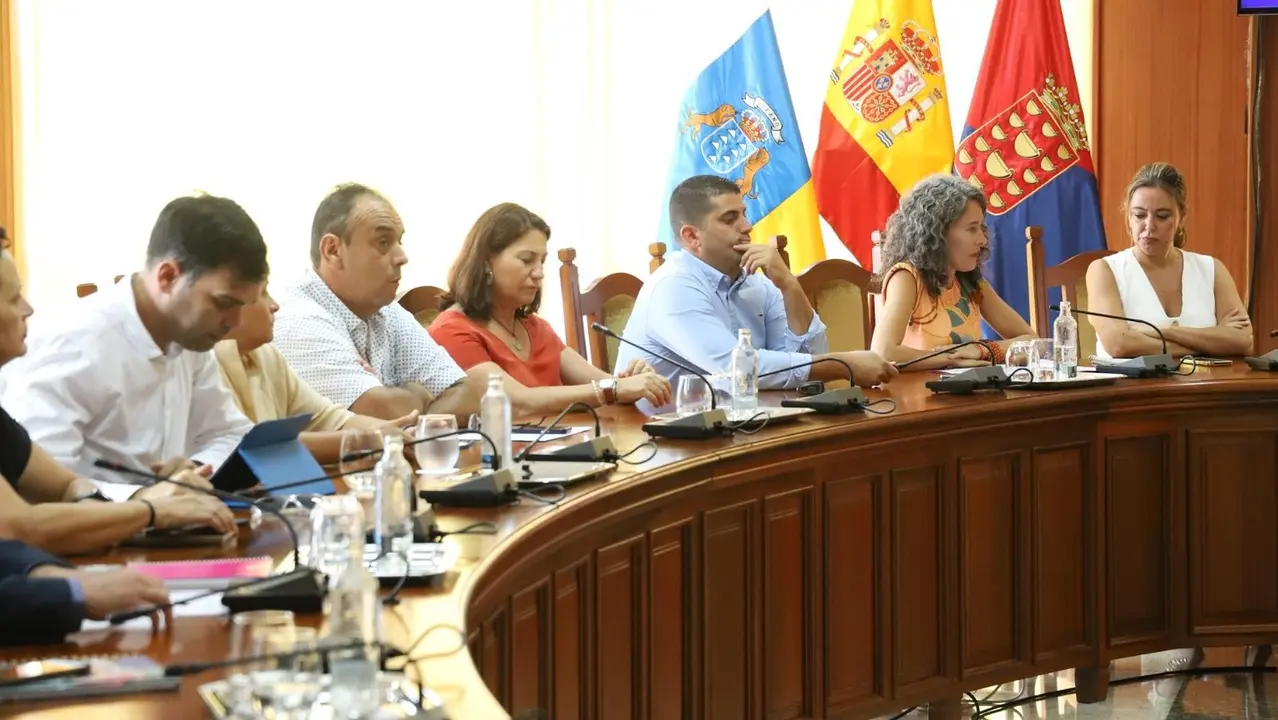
(886, 120)
(737, 122)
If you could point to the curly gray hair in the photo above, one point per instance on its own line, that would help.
(916, 232)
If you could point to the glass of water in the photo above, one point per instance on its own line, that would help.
(290, 689)
(247, 631)
(1018, 356)
(692, 396)
(1043, 360)
(361, 449)
(337, 526)
(437, 456)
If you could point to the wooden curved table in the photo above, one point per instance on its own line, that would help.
(850, 566)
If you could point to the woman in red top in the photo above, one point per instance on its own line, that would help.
(489, 323)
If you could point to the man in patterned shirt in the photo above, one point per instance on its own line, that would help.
(341, 330)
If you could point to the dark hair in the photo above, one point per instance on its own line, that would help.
(470, 279)
(693, 199)
(334, 212)
(204, 233)
(916, 233)
(1167, 178)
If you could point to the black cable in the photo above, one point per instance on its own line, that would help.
(976, 704)
(635, 449)
(740, 427)
(519, 456)
(1193, 366)
(903, 713)
(1224, 670)
(393, 598)
(475, 528)
(410, 659)
(889, 411)
(983, 343)
(563, 493)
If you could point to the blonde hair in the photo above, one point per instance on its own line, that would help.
(1165, 177)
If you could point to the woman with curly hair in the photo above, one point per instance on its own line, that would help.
(933, 293)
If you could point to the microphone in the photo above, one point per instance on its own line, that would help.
(1273, 333)
(600, 448)
(983, 343)
(301, 590)
(830, 402)
(697, 426)
(1137, 367)
(490, 487)
(119, 618)
(1267, 362)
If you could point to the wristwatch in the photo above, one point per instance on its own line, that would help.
(608, 388)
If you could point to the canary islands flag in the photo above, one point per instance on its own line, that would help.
(737, 122)
(1025, 147)
(885, 124)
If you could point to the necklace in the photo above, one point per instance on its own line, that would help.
(519, 347)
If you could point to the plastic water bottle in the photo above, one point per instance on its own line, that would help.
(354, 618)
(394, 486)
(745, 378)
(494, 420)
(1065, 343)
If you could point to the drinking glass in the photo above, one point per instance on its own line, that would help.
(296, 510)
(1018, 355)
(1043, 360)
(692, 396)
(337, 526)
(291, 689)
(437, 456)
(358, 472)
(246, 627)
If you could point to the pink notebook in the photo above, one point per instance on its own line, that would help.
(210, 574)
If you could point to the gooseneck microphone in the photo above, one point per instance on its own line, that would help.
(301, 590)
(179, 670)
(1137, 367)
(697, 426)
(1267, 362)
(830, 402)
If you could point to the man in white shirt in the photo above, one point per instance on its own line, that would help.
(129, 376)
(343, 333)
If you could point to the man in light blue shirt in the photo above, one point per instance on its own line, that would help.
(691, 308)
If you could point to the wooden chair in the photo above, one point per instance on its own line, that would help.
(423, 302)
(1070, 276)
(86, 289)
(840, 291)
(607, 300)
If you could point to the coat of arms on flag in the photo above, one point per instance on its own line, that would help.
(902, 72)
(1024, 147)
(737, 138)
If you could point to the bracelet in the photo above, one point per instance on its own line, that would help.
(95, 495)
(149, 523)
(599, 398)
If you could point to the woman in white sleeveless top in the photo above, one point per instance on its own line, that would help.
(1190, 297)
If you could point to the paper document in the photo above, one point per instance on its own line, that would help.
(204, 607)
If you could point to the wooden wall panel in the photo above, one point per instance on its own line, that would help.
(530, 648)
(988, 580)
(728, 612)
(619, 629)
(787, 585)
(671, 624)
(1233, 504)
(918, 576)
(1265, 308)
(494, 665)
(571, 628)
(851, 577)
(1138, 493)
(1059, 482)
(1173, 87)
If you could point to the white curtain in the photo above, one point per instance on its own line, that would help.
(565, 106)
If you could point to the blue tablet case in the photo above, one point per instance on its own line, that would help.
(269, 455)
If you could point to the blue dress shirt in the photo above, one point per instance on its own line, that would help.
(691, 312)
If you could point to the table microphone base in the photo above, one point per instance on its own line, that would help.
(971, 380)
(698, 426)
(832, 402)
(490, 488)
(1139, 367)
(595, 449)
(301, 590)
(1265, 363)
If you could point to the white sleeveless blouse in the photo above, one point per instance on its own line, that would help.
(1197, 292)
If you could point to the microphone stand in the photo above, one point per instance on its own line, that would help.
(830, 402)
(1137, 367)
(1267, 362)
(301, 590)
(697, 426)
